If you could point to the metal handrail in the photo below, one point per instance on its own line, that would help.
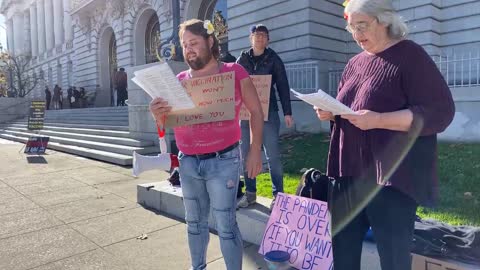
(303, 76)
(458, 70)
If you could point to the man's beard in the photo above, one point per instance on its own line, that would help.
(201, 61)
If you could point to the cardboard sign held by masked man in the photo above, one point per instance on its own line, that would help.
(263, 84)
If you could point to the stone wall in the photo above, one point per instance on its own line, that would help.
(13, 108)
(466, 124)
(299, 30)
(141, 122)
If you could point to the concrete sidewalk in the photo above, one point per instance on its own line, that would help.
(59, 211)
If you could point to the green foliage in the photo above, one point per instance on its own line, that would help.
(458, 167)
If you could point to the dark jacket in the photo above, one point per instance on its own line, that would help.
(48, 94)
(121, 80)
(270, 63)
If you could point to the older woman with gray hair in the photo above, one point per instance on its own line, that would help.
(383, 157)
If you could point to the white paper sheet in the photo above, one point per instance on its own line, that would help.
(160, 81)
(324, 102)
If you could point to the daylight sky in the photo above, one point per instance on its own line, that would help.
(3, 31)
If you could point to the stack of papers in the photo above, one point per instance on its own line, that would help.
(324, 102)
(160, 81)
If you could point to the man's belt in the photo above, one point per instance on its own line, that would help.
(215, 154)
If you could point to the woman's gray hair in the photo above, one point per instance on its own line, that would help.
(384, 12)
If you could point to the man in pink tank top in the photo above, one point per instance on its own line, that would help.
(210, 159)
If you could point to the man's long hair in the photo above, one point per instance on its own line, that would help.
(195, 26)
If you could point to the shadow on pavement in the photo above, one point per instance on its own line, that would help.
(36, 160)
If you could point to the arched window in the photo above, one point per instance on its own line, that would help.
(152, 39)
(216, 12)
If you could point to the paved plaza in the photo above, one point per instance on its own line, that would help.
(59, 211)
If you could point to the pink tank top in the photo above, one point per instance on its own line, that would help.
(213, 136)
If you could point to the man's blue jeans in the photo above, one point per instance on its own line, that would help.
(271, 147)
(212, 183)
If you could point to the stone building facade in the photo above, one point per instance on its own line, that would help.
(81, 42)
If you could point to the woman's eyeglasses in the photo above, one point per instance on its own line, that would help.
(360, 27)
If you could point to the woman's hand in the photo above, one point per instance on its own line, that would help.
(159, 109)
(323, 115)
(364, 119)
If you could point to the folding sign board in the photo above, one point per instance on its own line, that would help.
(36, 145)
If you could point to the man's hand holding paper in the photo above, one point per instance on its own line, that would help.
(160, 109)
(159, 81)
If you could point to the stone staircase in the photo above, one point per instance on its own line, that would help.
(98, 133)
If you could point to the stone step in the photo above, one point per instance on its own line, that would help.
(103, 116)
(114, 158)
(74, 116)
(111, 122)
(84, 111)
(69, 125)
(88, 110)
(252, 221)
(88, 137)
(107, 147)
(163, 197)
(100, 132)
(87, 118)
(89, 122)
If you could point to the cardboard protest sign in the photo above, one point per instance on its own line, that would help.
(301, 227)
(262, 84)
(214, 98)
(36, 115)
(36, 145)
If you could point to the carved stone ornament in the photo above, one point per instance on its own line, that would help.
(221, 27)
(116, 9)
(84, 23)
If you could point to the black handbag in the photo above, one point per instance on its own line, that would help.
(314, 184)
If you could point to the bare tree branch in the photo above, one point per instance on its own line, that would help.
(20, 81)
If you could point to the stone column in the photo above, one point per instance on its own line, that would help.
(10, 37)
(67, 20)
(34, 29)
(18, 33)
(41, 26)
(27, 30)
(49, 24)
(58, 21)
